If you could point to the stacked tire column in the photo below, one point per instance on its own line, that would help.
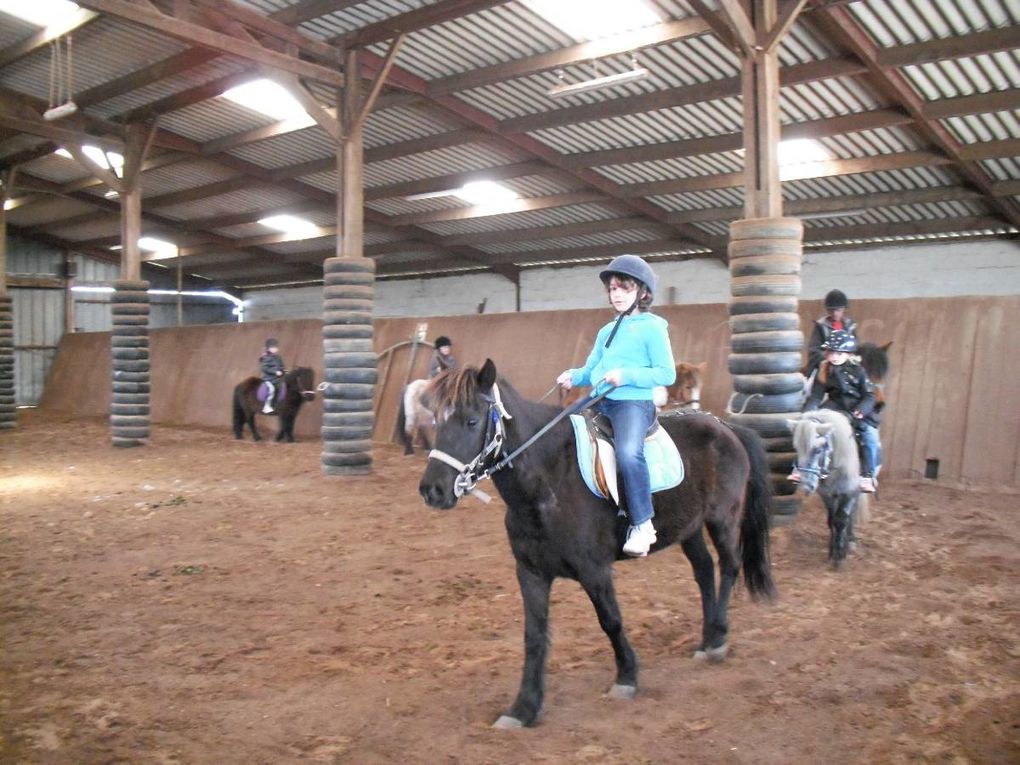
(8, 413)
(129, 412)
(765, 259)
(350, 366)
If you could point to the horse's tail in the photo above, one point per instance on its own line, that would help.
(239, 417)
(754, 528)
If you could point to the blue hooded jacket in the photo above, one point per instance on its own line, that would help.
(642, 352)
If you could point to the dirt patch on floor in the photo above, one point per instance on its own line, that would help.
(201, 600)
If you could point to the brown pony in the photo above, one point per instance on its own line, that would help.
(684, 394)
(300, 384)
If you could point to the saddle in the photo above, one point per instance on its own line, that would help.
(262, 392)
(596, 456)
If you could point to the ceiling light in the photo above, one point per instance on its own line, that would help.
(161, 250)
(590, 19)
(272, 99)
(291, 224)
(485, 193)
(597, 83)
(42, 13)
(799, 151)
(108, 160)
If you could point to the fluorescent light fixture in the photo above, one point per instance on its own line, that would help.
(597, 83)
(42, 13)
(591, 19)
(485, 193)
(90, 288)
(291, 224)
(238, 309)
(109, 160)
(272, 99)
(8, 204)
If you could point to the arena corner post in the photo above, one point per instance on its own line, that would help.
(8, 411)
(349, 360)
(765, 254)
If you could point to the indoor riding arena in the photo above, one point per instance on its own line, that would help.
(401, 214)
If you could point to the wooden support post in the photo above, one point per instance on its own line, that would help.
(763, 197)
(135, 147)
(6, 192)
(351, 193)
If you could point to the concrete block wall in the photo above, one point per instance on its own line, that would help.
(924, 270)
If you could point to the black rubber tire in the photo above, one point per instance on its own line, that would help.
(740, 306)
(337, 305)
(348, 265)
(350, 360)
(347, 331)
(118, 341)
(129, 420)
(785, 505)
(346, 446)
(767, 342)
(131, 398)
(129, 410)
(765, 425)
(124, 377)
(130, 296)
(131, 309)
(781, 461)
(346, 318)
(133, 331)
(765, 286)
(783, 486)
(130, 366)
(778, 443)
(127, 443)
(348, 292)
(763, 363)
(137, 433)
(130, 387)
(348, 420)
(348, 279)
(755, 248)
(789, 382)
(366, 377)
(758, 265)
(336, 346)
(756, 403)
(130, 285)
(332, 433)
(764, 322)
(348, 391)
(363, 459)
(131, 354)
(767, 228)
(130, 321)
(346, 406)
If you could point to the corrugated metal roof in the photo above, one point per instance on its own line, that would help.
(977, 128)
(531, 219)
(181, 176)
(212, 119)
(56, 168)
(1005, 169)
(965, 76)
(902, 22)
(623, 236)
(261, 198)
(47, 210)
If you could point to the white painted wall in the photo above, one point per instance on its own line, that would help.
(922, 270)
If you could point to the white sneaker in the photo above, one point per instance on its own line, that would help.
(867, 484)
(639, 539)
(267, 410)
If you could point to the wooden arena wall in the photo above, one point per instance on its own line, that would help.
(953, 390)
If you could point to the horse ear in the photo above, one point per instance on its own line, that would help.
(791, 424)
(703, 366)
(887, 346)
(824, 428)
(487, 375)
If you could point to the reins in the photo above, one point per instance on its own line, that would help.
(467, 479)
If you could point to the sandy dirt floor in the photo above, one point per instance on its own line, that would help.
(201, 600)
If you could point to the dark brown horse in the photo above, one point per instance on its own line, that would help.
(558, 528)
(300, 387)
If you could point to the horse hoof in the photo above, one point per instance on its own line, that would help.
(712, 655)
(625, 692)
(505, 722)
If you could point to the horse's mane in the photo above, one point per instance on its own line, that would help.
(453, 389)
(875, 361)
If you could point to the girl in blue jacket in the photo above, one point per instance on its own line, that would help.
(633, 353)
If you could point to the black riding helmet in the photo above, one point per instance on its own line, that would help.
(443, 341)
(835, 299)
(840, 341)
(271, 342)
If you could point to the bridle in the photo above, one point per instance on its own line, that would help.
(469, 475)
(824, 459)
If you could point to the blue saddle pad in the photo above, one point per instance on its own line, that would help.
(596, 459)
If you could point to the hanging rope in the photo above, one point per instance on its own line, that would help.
(61, 79)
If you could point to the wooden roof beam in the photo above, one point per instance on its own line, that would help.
(421, 18)
(842, 29)
(74, 21)
(958, 46)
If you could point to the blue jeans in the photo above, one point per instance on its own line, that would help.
(631, 420)
(871, 448)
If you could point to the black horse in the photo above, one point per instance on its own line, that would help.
(558, 528)
(300, 384)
